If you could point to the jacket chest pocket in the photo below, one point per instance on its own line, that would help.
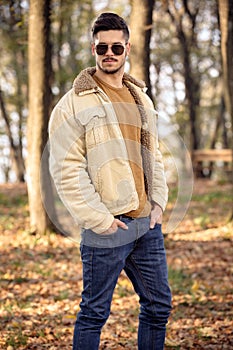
(97, 130)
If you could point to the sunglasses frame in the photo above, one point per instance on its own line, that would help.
(106, 46)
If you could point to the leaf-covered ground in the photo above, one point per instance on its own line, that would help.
(40, 279)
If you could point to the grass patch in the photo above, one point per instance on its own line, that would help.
(16, 339)
(212, 197)
(179, 280)
(63, 295)
(202, 220)
(42, 270)
(9, 201)
(173, 192)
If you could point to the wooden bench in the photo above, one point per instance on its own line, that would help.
(205, 158)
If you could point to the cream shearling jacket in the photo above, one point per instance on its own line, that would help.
(88, 157)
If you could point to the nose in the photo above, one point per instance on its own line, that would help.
(109, 50)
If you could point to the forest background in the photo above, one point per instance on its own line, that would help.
(183, 50)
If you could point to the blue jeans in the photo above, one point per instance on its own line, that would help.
(144, 261)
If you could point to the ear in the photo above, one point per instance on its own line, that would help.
(128, 47)
(93, 49)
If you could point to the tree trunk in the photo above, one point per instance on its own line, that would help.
(226, 27)
(39, 107)
(16, 150)
(141, 25)
(192, 90)
(187, 41)
(14, 47)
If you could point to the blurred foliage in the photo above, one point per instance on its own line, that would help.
(70, 40)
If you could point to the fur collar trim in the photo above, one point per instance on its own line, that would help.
(85, 82)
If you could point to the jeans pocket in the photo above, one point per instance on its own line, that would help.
(157, 227)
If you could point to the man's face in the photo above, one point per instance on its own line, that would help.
(110, 63)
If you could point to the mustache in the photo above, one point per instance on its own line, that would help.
(109, 59)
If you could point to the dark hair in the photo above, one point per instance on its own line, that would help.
(110, 21)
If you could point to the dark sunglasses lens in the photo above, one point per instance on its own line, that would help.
(117, 49)
(101, 49)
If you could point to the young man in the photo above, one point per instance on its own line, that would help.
(108, 172)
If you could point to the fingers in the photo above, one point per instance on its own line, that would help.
(154, 221)
(156, 216)
(121, 224)
(114, 227)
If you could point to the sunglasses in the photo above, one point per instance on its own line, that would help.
(117, 49)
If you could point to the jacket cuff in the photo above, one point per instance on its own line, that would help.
(161, 202)
(104, 225)
(153, 203)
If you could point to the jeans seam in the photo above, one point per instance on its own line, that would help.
(145, 288)
(143, 282)
(91, 277)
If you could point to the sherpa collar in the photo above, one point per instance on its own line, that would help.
(84, 81)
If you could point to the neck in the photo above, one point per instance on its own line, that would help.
(114, 80)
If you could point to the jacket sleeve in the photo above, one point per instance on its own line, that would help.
(159, 185)
(68, 167)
